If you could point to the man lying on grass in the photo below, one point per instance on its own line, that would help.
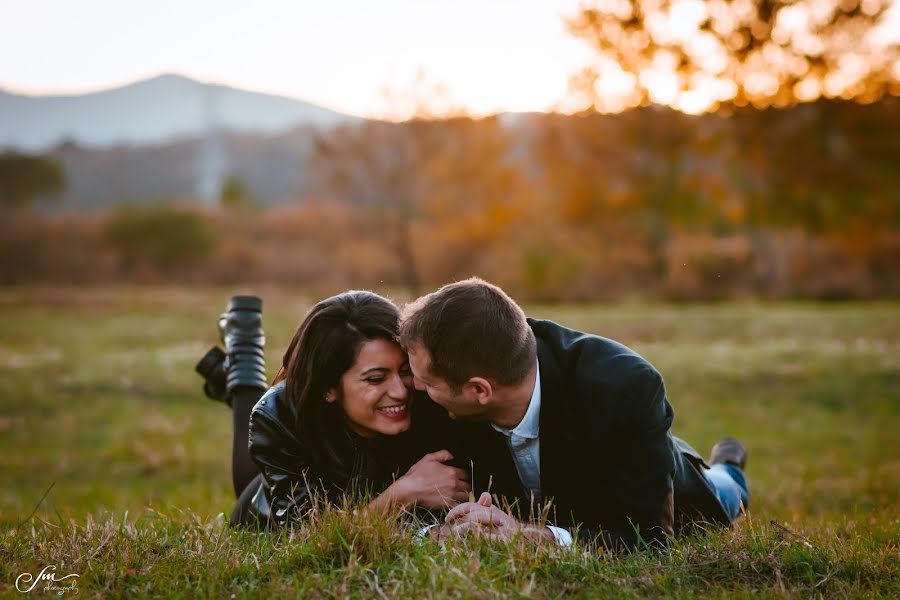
(585, 419)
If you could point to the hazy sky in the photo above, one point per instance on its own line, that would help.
(490, 54)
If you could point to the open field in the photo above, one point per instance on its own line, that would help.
(98, 398)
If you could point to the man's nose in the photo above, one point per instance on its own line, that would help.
(418, 383)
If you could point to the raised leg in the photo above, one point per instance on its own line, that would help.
(243, 469)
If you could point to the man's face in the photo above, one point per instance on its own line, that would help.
(459, 405)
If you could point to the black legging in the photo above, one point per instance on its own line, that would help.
(243, 469)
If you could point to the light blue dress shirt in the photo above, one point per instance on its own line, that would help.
(524, 443)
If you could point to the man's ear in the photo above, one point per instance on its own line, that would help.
(480, 389)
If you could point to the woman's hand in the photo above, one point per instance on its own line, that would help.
(429, 483)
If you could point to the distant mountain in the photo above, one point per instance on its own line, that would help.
(156, 110)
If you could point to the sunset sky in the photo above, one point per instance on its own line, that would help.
(500, 55)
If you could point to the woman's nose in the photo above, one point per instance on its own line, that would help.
(398, 388)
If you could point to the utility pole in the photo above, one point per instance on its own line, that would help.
(211, 151)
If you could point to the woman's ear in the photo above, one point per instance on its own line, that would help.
(331, 395)
(480, 389)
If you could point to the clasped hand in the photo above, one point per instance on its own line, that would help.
(485, 520)
(432, 484)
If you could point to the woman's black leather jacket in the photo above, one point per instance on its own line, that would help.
(293, 482)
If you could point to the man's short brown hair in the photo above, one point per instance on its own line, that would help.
(471, 328)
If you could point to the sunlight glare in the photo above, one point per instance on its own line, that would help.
(661, 84)
(615, 88)
(808, 89)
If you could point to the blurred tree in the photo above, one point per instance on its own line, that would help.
(24, 178)
(644, 177)
(378, 166)
(373, 166)
(235, 196)
(161, 236)
(440, 173)
(696, 55)
(828, 168)
(639, 172)
(451, 177)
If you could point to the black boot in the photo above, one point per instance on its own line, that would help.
(212, 368)
(243, 361)
(242, 333)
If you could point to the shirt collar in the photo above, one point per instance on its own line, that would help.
(530, 425)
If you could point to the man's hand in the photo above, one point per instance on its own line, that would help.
(431, 484)
(484, 519)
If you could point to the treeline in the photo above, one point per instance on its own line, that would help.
(324, 247)
(799, 202)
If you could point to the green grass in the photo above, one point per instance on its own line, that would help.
(98, 398)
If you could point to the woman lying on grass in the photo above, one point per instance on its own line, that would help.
(339, 420)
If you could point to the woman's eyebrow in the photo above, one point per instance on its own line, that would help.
(371, 369)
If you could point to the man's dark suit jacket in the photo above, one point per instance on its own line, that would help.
(608, 460)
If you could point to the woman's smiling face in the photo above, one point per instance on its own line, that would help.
(376, 391)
